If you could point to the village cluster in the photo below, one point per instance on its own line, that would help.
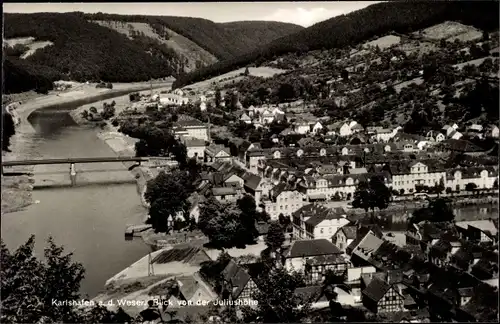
(435, 267)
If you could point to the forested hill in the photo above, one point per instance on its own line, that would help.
(216, 38)
(92, 47)
(257, 33)
(355, 27)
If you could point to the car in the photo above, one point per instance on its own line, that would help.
(420, 196)
(390, 234)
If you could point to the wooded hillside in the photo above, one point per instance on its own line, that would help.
(225, 41)
(85, 51)
(353, 28)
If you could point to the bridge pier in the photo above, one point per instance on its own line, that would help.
(72, 174)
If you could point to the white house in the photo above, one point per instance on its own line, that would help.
(191, 127)
(494, 131)
(482, 177)
(315, 221)
(246, 119)
(314, 258)
(301, 127)
(455, 135)
(173, 99)
(214, 153)
(450, 128)
(344, 236)
(276, 111)
(203, 106)
(283, 199)
(345, 130)
(317, 127)
(195, 148)
(266, 117)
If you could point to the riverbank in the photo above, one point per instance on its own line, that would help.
(121, 144)
(16, 190)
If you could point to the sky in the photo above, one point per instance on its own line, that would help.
(300, 13)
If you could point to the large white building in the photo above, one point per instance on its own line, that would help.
(190, 127)
(314, 221)
(342, 185)
(283, 199)
(195, 148)
(482, 177)
(173, 99)
(406, 176)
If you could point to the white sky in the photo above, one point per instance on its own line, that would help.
(300, 13)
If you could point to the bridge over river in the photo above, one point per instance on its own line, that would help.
(9, 168)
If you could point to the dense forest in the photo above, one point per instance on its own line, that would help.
(85, 51)
(81, 51)
(350, 29)
(224, 41)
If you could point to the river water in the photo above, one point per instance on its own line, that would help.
(89, 219)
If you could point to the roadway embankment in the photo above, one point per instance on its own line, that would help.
(16, 190)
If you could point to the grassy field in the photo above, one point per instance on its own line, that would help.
(264, 72)
(447, 30)
(384, 42)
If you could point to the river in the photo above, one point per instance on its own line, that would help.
(89, 219)
(399, 221)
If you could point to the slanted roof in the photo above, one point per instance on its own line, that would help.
(318, 213)
(376, 289)
(194, 142)
(368, 246)
(237, 277)
(306, 248)
(311, 293)
(222, 191)
(252, 181)
(349, 231)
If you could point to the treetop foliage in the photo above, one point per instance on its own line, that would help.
(29, 286)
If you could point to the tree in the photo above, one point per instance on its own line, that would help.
(277, 301)
(108, 112)
(218, 98)
(286, 92)
(344, 75)
(372, 194)
(275, 236)
(220, 222)
(471, 187)
(439, 188)
(29, 287)
(247, 73)
(248, 218)
(8, 130)
(449, 190)
(438, 210)
(167, 195)
(495, 184)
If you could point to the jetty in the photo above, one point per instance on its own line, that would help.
(136, 230)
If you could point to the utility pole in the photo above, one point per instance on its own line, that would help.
(151, 271)
(209, 140)
(151, 86)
